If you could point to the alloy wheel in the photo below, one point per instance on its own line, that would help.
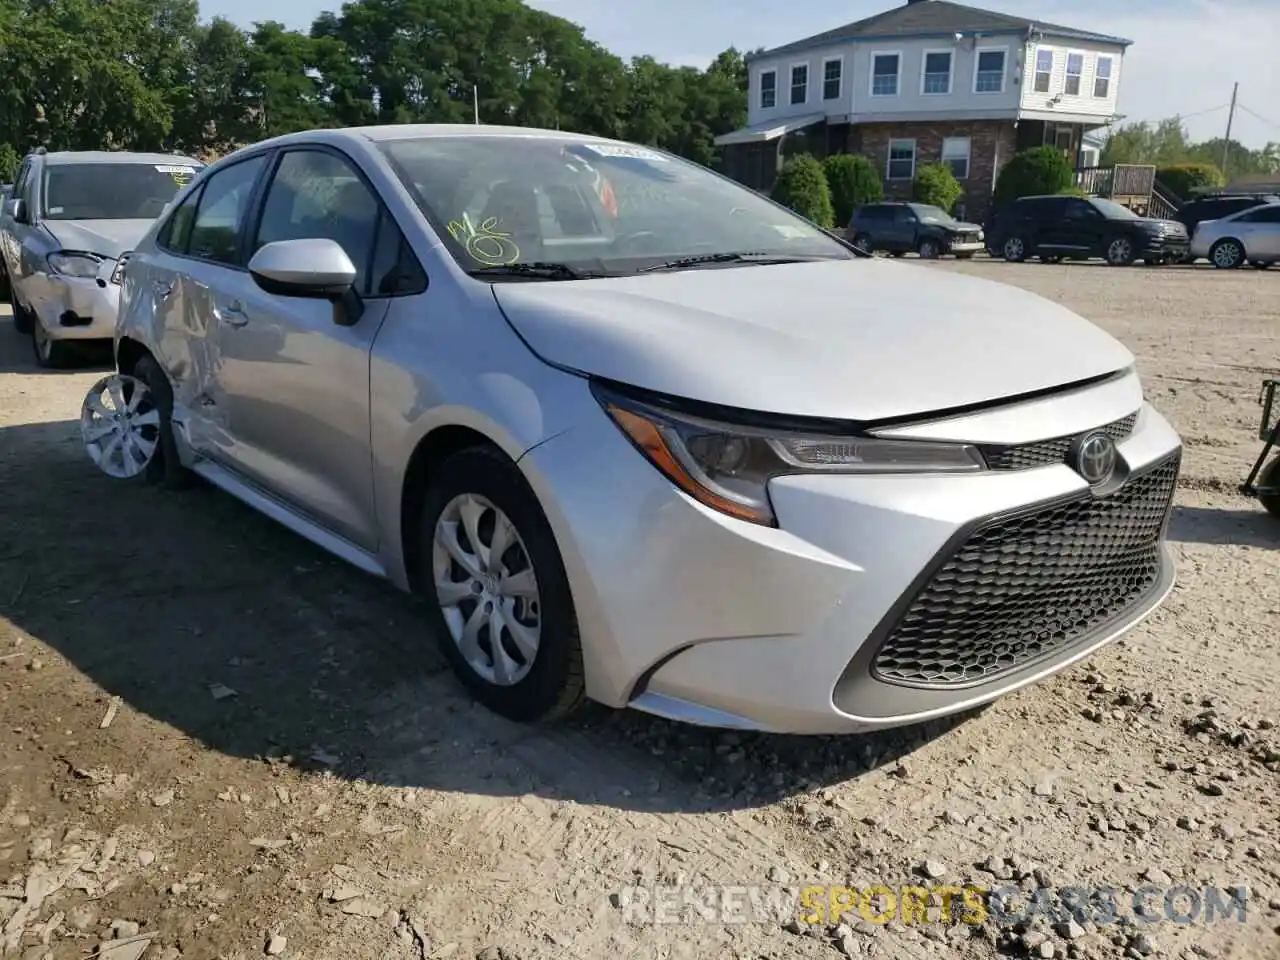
(487, 589)
(120, 426)
(1014, 249)
(1227, 254)
(929, 249)
(1120, 252)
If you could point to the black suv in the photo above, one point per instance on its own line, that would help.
(1058, 228)
(899, 228)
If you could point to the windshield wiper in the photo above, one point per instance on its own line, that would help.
(749, 256)
(538, 270)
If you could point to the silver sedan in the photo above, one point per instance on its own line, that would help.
(1250, 236)
(638, 434)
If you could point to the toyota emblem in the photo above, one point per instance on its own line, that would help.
(1095, 458)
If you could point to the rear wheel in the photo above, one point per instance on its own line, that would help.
(165, 469)
(496, 589)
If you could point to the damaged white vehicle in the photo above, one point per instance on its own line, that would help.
(70, 218)
(638, 434)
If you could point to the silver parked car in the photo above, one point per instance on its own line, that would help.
(62, 231)
(1251, 236)
(639, 434)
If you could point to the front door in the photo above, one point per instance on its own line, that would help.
(295, 382)
(901, 230)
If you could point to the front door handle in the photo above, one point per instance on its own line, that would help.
(233, 315)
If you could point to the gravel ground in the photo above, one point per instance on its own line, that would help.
(215, 741)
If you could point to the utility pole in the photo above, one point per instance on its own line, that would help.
(1226, 144)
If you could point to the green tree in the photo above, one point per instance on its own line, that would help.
(853, 180)
(935, 184)
(802, 186)
(1032, 172)
(1183, 179)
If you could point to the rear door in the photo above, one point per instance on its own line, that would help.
(901, 230)
(1259, 231)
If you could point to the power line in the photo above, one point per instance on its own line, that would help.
(1257, 116)
(1201, 113)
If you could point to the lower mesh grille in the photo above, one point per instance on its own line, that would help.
(1022, 587)
(1044, 452)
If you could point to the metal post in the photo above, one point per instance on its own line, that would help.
(475, 102)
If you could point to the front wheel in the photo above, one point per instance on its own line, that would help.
(863, 242)
(929, 249)
(1226, 254)
(1270, 477)
(495, 585)
(49, 353)
(1120, 252)
(1014, 250)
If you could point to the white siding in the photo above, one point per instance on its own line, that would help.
(1085, 102)
(814, 101)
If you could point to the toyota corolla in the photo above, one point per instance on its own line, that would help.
(638, 434)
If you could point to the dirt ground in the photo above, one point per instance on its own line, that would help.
(219, 742)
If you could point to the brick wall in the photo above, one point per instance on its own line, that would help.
(991, 142)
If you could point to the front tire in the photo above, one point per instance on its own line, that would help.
(929, 249)
(1226, 254)
(505, 621)
(22, 317)
(50, 354)
(863, 242)
(1120, 252)
(1014, 250)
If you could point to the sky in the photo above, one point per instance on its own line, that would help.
(1185, 58)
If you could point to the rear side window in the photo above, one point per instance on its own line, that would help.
(176, 232)
(873, 213)
(1265, 215)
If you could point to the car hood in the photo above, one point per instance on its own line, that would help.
(108, 238)
(961, 226)
(864, 339)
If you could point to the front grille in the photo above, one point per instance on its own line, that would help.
(1020, 588)
(1044, 452)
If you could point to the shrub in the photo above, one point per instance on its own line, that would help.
(1033, 172)
(854, 181)
(1182, 179)
(935, 185)
(802, 186)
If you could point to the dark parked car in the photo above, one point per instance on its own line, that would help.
(1058, 228)
(899, 228)
(1217, 206)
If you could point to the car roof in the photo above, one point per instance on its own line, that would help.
(417, 131)
(68, 157)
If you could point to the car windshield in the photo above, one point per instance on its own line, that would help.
(112, 191)
(930, 214)
(598, 207)
(1113, 210)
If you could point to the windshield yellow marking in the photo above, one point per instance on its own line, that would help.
(485, 244)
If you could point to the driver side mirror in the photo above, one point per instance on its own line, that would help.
(315, 269)
(17, 209)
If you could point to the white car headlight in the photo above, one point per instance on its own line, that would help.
(728, 466)
(83, 265)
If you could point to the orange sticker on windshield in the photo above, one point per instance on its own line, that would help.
(485, 243)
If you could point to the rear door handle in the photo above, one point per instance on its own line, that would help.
(233, 315)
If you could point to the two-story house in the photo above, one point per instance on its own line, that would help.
(928, 81)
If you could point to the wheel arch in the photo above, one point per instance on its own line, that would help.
(128, 352)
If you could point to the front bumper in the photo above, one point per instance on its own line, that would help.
(695, 616)
(79, 308)
(966, 246)
(1160, 246)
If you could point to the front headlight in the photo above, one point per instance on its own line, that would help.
(728, 467)
(83, 265)
(118, 271)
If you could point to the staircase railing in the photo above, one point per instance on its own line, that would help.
(1164, 204)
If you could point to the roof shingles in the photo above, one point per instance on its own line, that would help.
(933, 18)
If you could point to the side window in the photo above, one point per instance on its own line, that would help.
(316, 194)
(20, 184)
(1078, 210)
(220, 214)
(1264, 215)
(903, 215)
(176, 232)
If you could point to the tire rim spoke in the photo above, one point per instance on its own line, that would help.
(121, 436)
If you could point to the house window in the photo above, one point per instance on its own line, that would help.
(955, 156)
(768, 89)
(902, 160)
(989, 72)
(884, 74)
(1075, 67)
(832, 71)
(800, 83)
(1044, 70)
(937, 72)
(1102, 78)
